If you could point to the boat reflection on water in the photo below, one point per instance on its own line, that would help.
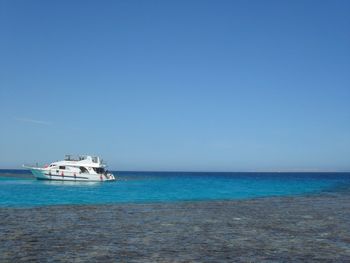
(69, 183)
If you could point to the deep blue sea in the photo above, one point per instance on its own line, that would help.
(19, 189)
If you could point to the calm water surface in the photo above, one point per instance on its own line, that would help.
(18, 189)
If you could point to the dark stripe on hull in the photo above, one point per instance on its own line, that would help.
(69, 176)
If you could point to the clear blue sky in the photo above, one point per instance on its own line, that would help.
(177, 85)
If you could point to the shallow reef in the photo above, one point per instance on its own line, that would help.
(277, 229)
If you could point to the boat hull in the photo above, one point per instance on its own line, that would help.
(47, 174)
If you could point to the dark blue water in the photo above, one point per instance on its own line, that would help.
(18, 189)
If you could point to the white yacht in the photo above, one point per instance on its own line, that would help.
(83, 168)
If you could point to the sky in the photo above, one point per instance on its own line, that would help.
(177, 85)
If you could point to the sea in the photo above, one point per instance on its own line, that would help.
(19, 189)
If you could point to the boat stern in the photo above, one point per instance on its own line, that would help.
(110, 177)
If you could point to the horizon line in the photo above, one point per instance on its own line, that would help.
(199, 171)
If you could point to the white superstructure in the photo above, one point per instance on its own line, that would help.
(83, 168)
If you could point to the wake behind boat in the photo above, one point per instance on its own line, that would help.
(83, 168)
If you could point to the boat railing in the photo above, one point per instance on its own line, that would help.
(36, 165)
(70, 157)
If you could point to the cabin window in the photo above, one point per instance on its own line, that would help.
(99, 170)
(83, 169)
(62, 167)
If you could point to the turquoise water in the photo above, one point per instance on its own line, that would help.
(17, 189)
